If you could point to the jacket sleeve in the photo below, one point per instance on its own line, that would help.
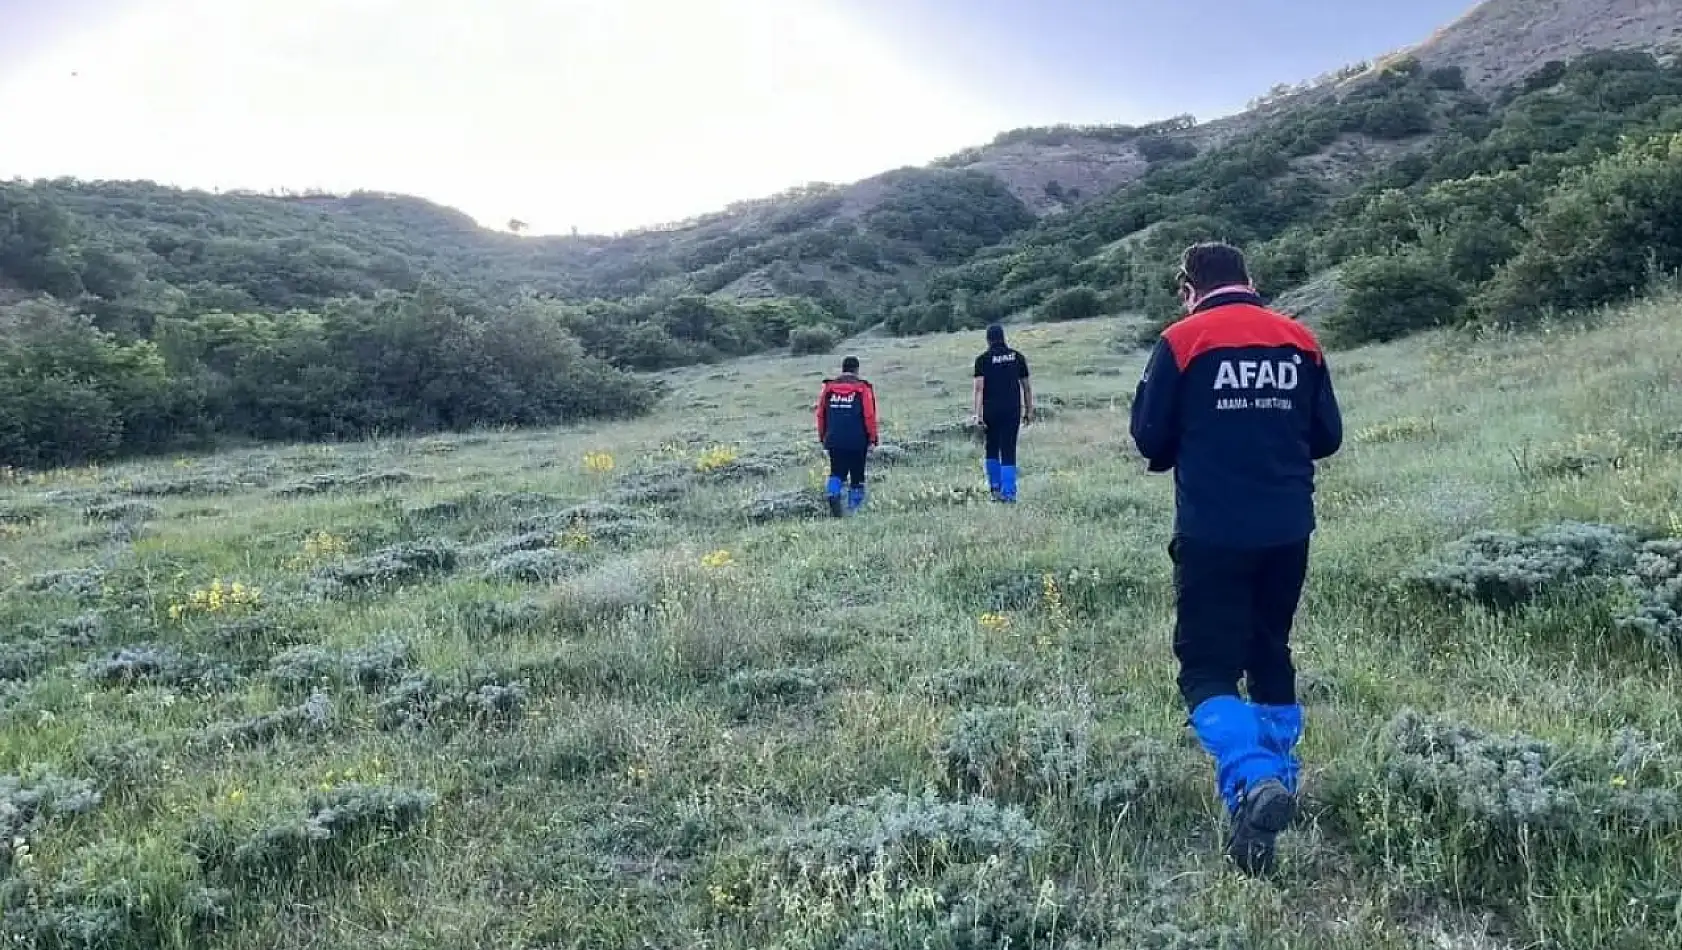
(1325, 433)
(1156, 410)
(823, 410)
(870, 414)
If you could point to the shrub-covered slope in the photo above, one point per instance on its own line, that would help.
(1482, 201)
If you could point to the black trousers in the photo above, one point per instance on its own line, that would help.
(1002, 429)
(1233, 613)
(848, 464)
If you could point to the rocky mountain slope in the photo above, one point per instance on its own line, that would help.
(1496, 45)
(1499, 42)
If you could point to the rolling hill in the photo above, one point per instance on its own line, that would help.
(1440, 185)
(861, 242)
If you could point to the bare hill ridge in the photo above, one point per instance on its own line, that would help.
(1496, 44)
(1499, 42)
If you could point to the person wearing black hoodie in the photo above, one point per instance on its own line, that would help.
(1004, 402)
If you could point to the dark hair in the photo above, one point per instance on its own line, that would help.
(850, 365)
(1213, 264)
(995, 334)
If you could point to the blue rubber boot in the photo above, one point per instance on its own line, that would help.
(993, 477)
(1007, 483)
(1281, 730)
(832, 491)
(855, 498)
(1230, 731)
(1249, 779)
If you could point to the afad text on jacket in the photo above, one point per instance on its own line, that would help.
(1237, 400)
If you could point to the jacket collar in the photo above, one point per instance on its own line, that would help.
(1225, 296)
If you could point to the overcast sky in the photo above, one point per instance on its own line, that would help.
(609, 114)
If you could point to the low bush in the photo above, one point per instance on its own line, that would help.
(424, 701)
(534, 567)
(310, 717)
(339, 825)
(122, 511)
(1017, 754)
(753, 691)
(896, 871)
(1388, 297)
(393, 566)
(812, 341)
(787, 505)
(371, 668)
(157, 665)
(1502, 569)
(1494, 816)
(1073, 303)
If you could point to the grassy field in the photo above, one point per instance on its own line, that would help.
(621, 687)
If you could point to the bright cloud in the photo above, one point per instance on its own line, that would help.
(600, 114)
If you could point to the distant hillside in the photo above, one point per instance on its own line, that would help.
(1521, 161)
(112, 244)
(1053, 168)
(1403, 159)
(862, 251)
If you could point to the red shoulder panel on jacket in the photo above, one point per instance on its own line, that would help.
(1234, 326)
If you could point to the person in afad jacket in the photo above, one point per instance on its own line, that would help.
(1237, 401)
(1004, 402)
(847, 428)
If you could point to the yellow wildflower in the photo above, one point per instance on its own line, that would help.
(218, 598)
(716, 458)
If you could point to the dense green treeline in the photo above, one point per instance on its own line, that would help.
(71, 392)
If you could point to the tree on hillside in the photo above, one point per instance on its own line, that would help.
(1605, 235)
(1075, 303)
(71, 393)
(38, 244)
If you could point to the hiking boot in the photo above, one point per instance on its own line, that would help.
(835, 506)
(1265, 810)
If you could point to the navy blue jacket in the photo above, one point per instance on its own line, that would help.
(1237, 400)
